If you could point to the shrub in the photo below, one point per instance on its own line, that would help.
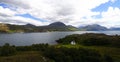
(7, 50)
(64, 54)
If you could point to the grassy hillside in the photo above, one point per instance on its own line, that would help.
(62, 53)
(36, 56)
(4, 28)
(92, 39)
(57, 26)
(26, 56)
(105, 44)
(112, 51)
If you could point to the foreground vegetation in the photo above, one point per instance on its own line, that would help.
(64, 52)
(56, 53)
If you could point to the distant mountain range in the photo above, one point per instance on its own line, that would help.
(114, 28)
(56, 26)
(94, 27)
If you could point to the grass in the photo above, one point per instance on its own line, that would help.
(28, 56)
(36, 56)
(112, 51)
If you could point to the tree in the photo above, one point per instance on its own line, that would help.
(7, 50)
(108, 58)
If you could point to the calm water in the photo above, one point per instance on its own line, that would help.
(21, 39)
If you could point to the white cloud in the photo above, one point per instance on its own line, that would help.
(58, 10)
(113, 1)
(111, 17)
(17, 3)
(73, 12)
(8, 16)
(6, 12)
(21, 20)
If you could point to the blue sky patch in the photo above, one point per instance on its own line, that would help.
(8, 6)
(4, 5)
(31, 17)
(97, 16)
(104, 7)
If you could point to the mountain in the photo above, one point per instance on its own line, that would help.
(94, 27)
(56, 26)
(22, 28)
(4, 28)
(72, 28)
(115, 28)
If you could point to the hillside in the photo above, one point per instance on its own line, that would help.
(94, 27)
(95, 39)
(4, 28)
(114, 28)
(56, 26)
(105, 44)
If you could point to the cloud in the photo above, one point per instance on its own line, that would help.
(6, 12)
(8, 16)
(73, 12)
(113, 1)
(16, 3)
(20, 20)
(111, 17)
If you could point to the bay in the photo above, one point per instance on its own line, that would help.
(22, 39)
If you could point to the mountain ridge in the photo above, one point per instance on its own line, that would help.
(93, 27)
(56, 26)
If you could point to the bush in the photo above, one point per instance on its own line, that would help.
(33, 47)
(7, 50)
(63, 54)
(98, 41)
(108, 58)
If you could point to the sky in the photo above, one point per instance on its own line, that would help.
(71, 12)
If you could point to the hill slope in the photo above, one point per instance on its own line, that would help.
(56, 26)
(93, 27)
(4, 28)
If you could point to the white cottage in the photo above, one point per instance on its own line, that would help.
(73, 43)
